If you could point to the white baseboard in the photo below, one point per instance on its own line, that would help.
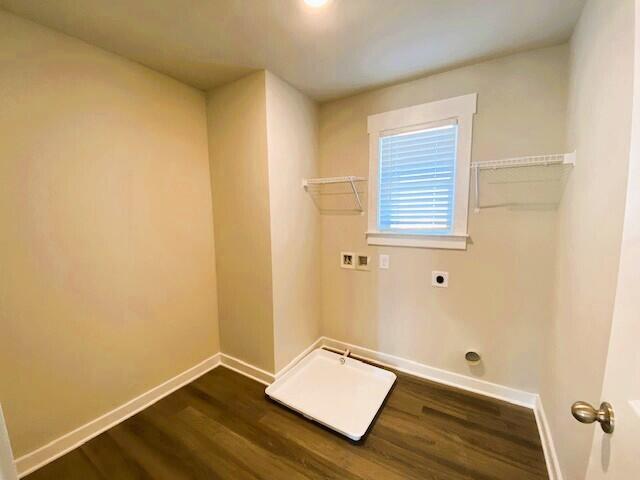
(550, 455)
(43, 455)
(470, 384)
(260, 375)
(67, 442)
(246, 369)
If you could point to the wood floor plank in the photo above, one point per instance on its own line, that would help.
(205, 453)
(112, 461)
(245, 453)
(152, 460)
(243, 418)
(359, 461)
(221, 426)
(72, 466)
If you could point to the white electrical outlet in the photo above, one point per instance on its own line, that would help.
(348, 260)
(362, 261)
(439, 279)
(383, 262)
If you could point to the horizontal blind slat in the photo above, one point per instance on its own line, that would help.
(418, 158)
(417, 147)
(426, 136)
(417, 180)
(410, 169)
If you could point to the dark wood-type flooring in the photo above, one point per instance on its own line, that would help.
(221, 426)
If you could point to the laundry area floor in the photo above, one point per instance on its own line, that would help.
(222, 426)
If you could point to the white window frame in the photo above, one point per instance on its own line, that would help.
(459, 109)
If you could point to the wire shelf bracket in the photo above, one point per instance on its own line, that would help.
(515, 162)
(351, 180)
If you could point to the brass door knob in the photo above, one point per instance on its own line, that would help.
(585, 413)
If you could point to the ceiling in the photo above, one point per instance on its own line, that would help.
(328, 52)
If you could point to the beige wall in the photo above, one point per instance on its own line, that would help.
(295, 227)
(263, 142)
(107, 283)
(240, 182)
(589, 222)
(499, 293)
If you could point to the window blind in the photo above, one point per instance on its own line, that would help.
(417, 181)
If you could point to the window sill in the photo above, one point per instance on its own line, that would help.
(448, 242)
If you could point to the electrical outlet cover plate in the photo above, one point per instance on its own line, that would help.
(348, 260)
(439, 279)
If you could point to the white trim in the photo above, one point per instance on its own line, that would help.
(7, 465)
(548, 447)
(424, 113)
(459, 109)
(246, 369)
(64, 444)
(51, 451)
(453, 242)
(304, 353)
(260, 375)
(38, 458)
(470, 384)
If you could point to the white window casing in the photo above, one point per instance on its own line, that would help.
(453, 111)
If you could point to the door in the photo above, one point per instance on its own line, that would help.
(7, 468)
(617, 455)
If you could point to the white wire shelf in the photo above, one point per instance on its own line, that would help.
(329, 180)
(531, 161)
(522, 182)
(314, 184)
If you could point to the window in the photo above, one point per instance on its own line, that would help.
(417, 181)
(419, 174)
